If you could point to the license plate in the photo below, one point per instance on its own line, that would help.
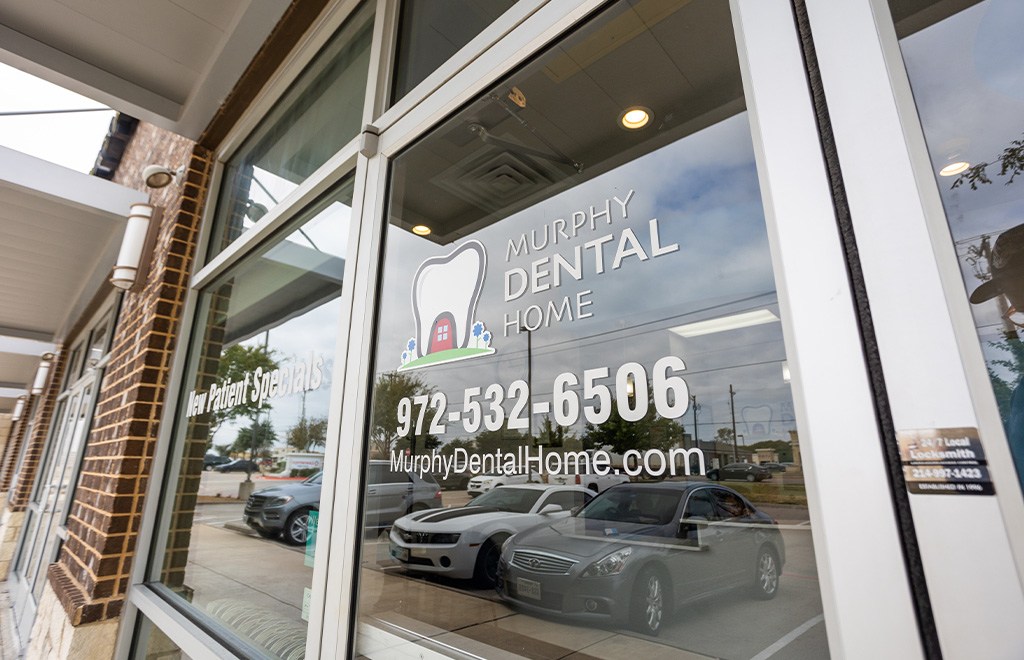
(528, 588)
(401, 554)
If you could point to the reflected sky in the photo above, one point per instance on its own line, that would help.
(968, 84)
(703, 191)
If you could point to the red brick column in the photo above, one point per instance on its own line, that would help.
(42, 418)
(14, 443)
(92, 572)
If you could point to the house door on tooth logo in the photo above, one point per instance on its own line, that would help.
(442, 335)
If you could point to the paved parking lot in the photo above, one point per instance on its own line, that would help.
(397, 606)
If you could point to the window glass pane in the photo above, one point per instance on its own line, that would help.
(258, 393)
(319, 114)
(152, 644)
(966, 70)
(73, 366)
(563, 296)
(431, 32)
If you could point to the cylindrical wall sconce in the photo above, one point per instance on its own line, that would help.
(136, 236)
(42, 373)
(19, 408)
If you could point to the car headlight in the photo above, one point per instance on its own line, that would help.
(610, 565)
(507, 542)
(279, 501)
(443, 539)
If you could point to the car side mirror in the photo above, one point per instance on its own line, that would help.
(691, 529)
(548, 509)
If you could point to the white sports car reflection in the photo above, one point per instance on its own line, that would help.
(465, 542)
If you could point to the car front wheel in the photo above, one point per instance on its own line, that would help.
(296, 527)
(766, 578)
(651, 602)
(485, 572)
(751, 477)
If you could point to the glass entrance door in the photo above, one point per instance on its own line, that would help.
(46, 512)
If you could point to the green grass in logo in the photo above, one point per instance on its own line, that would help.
(451, 355)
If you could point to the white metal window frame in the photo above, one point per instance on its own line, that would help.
(152, 534)
(856, 542)
(971, 547)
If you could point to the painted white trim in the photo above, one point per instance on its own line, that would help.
(328, 174)
(539, 28)
(856, 543)
(148, 526)
(195, 643)
(964, 547)
(990, 426)
(325, 605)
(347, 479)
(488, 38)
(305, 50)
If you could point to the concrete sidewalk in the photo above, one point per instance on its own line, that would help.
(8, 638)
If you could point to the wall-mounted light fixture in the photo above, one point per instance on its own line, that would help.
(254, 210)
(139, 236)
(160, 176)
(42, 373)
(19, 408)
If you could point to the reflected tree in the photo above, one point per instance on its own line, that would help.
(724, 434)
(307, 434)
(1011, 163)
(553, 435)
(258, 439)
(236, 362)
(489, 442)
(650, 432)
(388, 391)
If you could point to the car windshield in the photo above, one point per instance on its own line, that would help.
(633, 505)
(514, 500)
(316, 478)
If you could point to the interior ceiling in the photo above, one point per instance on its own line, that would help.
(168, 62)
(497, 156)
(61, 233)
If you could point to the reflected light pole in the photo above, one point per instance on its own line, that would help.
(696, 409)
(732, 411)
(529, 381)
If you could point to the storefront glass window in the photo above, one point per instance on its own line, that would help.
(431, 32)
(966, 69)
(239, 527)
(582, 439)
(152, 644)
(320, 113)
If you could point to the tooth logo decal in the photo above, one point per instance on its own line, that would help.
(445, 291)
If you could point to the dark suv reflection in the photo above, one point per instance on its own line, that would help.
(284, 509)
(744, 471)
(638, 551)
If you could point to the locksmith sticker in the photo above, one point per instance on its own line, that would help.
(946, 461)
(445, 293)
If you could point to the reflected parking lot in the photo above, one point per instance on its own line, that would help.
(403, 608)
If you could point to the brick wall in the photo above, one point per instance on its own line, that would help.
(14, 443)
(92, 572)
(42, 418)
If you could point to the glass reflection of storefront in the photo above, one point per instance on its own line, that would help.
(578, 301)
(964, 68)
(234, 550)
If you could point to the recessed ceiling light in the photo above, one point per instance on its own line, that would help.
(636, 117)
(723, 323)
(954, 168)
(421, 230)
